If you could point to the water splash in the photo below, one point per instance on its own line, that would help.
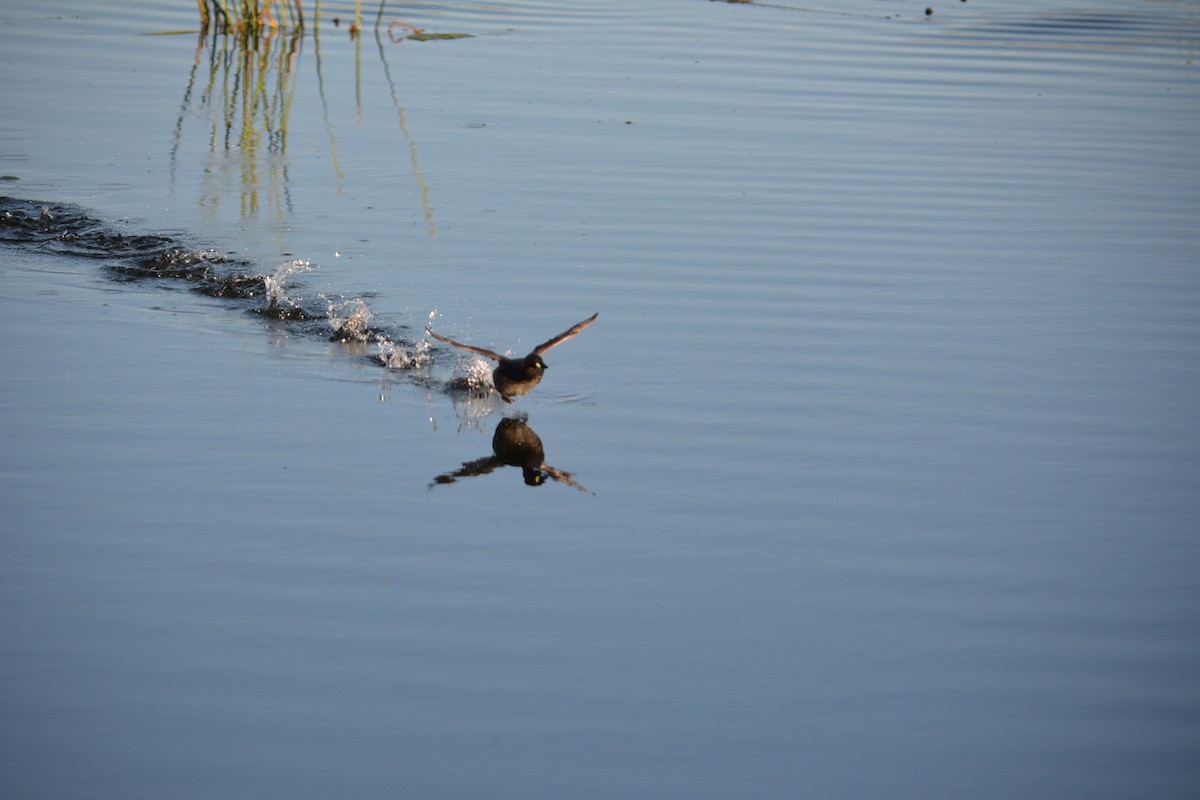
(396, 355)
(472, 394)
(278, 303)
(349, 319)
(473, 375)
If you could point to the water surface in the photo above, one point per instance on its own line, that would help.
(887, 425)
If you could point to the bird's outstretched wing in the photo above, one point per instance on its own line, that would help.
(562, 337)
(479, 350)
(565, 477)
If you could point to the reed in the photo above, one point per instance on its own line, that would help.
(251, 18)
(255, 20)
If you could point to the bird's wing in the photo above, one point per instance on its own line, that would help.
(480, 350)
(470, 469)
(564, 477)
(562, 337)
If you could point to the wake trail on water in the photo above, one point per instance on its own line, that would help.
(68, 230)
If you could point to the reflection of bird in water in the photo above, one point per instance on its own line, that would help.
(514, 376)
(516, 445)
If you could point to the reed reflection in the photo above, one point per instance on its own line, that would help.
(238, 107)
(514, 444)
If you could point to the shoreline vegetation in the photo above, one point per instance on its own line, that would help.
(251, 19)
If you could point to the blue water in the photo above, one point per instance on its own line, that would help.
(887, 427)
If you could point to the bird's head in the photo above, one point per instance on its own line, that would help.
(533, 477)
(534, 363)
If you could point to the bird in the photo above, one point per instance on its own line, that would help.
(517, 376)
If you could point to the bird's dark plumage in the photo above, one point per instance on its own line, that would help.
(516, 376)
